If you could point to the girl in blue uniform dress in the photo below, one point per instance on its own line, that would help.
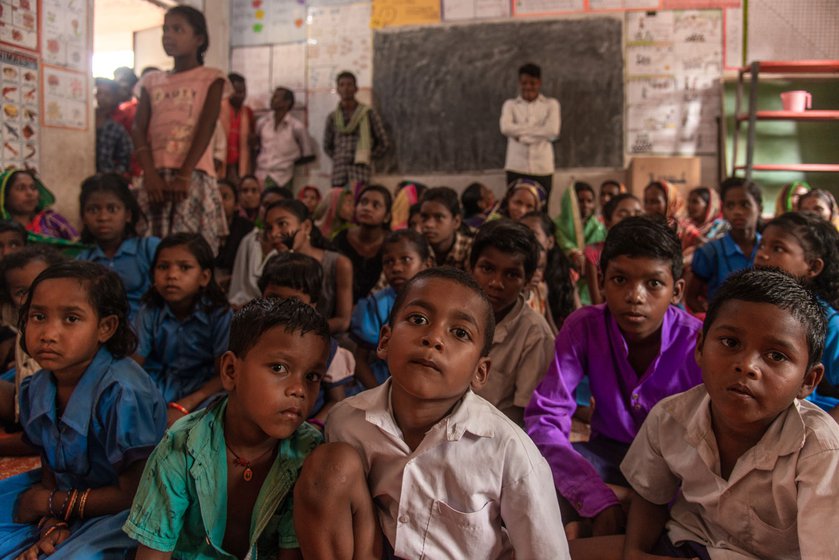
(184, 324)
(92, 412)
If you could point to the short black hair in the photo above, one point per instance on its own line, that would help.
(288, 95)
(388, 198)
(580, 186)
(751, 188)
(229, 185)
(610, 207)
(509, 237)
(106, 83)
(118, 186)
(198, 23)
(643, 237)
(470, 199)
(16, 227)
(415, 238)
(236, 77)
(457, 276)
(820, 240)
(44, 253)
(346, 74)
(293, 270)
(106, 295)
(777, 288)
(445, 196)
(282, 192)
(262, 314)
(532, 70)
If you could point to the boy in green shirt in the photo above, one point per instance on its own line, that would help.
(220, 483)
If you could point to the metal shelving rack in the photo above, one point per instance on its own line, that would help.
(753, 115)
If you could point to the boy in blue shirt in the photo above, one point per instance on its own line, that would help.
(219, 484)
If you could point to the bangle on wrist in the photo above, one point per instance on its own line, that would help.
(82, 503)
(53, 528)
(50, 509)
(73, 495)
(179, 407)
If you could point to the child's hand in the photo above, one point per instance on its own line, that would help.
(172, 416)
(32, 505)
(155, 187)
(179, 187)
(53, 534)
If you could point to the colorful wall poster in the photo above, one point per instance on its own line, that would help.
(267, 22)
(64, 33)
(455, 10)
(20, 132)
(65, 98)
(396, 13)
(673, 77)
(339, 39)
(19, 23)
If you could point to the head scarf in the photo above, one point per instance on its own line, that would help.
(309, 188)
(45, 197)
(783, 203)
(326, 215)
(537, 191)
(400, 213)
(713, 213)
(571, 232)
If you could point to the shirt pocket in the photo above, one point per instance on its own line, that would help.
(457, 534)
(773, 539)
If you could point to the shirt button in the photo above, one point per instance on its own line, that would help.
(404, 519)
(637, 406)
(207, 540)
(634, 396)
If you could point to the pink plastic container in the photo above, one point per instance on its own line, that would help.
(797, 101)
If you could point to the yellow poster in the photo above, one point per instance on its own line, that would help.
(394, 13)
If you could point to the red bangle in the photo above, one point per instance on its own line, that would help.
(316, 422)
(179, 408)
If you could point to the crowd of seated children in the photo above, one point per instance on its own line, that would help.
(740, 466)
(404, 253)
(713, 262)
(502, 261)
(110, 214)
(92, 413)
(807, 247)
(294, 275)
(452, 476)
(238, 227)
(636, 349)
(220, 483)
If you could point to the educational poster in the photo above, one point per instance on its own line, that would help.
(20, 133)
(396, 13)
(456, 10)
(339, 39)
(733, 38)
(65, 98)
(288, 70)
(267, 22)
(597, 5)
(64, 33)
(19, 23)
(673, 74)
(254, 63)
(537, 7)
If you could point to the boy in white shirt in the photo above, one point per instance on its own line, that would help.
(531, 124)
(449, 475)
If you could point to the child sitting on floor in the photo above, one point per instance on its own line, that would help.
(92, 413)
(740, 467)
(404, 254)
(219, 484)
(452, 477)
(503, 259)
(637, 348)
(300, 276)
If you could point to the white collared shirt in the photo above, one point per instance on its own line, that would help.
(531, 127)
(474, 472)
(780, 500)
(280, 145)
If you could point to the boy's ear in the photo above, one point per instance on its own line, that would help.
(697, 352)
(678, 291)
(811, 380)
(429, 262)
(458, 220)
(601, 280)
(481, 375)
(384, 339)
(107, 327)
(228, 369)
(816, 268)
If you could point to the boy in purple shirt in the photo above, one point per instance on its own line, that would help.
(637, 349)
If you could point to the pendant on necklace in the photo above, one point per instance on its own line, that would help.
(247, 474)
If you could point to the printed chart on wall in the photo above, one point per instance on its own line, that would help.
(19, 23)
(673, 74)
(64, 33)
(339, 39)
(395, 13)
(65, 98)
(267, 22)
(455, 10)
(20, 133)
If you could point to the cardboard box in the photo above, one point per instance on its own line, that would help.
(684, 172)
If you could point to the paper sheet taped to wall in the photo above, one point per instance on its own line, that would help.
(339, 39)
(20, 132)
(454, 10)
